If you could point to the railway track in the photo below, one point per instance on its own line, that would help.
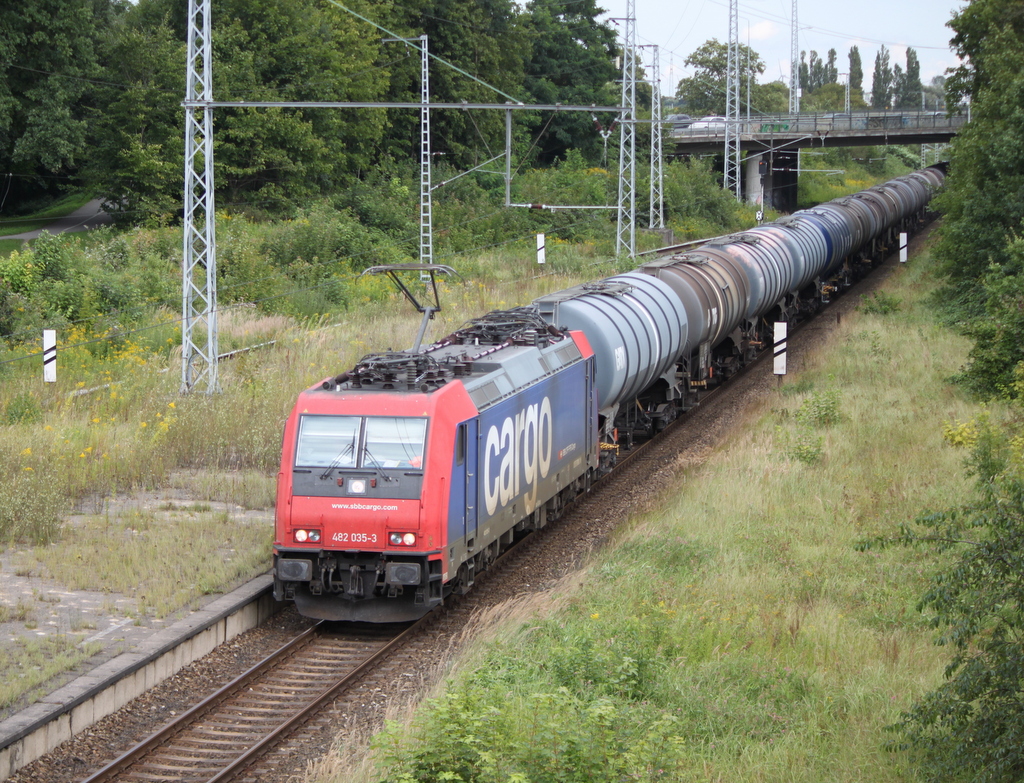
(222, 736)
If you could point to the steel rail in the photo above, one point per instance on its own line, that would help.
(194, 716)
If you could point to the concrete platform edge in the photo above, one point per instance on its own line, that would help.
(74, 707)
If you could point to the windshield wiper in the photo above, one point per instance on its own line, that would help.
(336, 462)
(376, 464)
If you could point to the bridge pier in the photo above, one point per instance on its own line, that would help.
(755, 183)
(780, 189)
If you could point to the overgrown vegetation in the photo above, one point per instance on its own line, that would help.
(27, 664)
(968, 729)
(847, 170)
(984, 195)
(122, 554)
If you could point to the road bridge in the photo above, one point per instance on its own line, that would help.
(776, 139)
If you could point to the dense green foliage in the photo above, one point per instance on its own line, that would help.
(983, 200)
(92, 89)
(704, 92)
(49, 59)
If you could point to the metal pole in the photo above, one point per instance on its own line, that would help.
(657, 175)
(625, 235)
(794, 75)
(508, 157)
(426, 211)
(199, 255)
(732, 104)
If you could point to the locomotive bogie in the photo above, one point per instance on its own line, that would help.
(392, 497)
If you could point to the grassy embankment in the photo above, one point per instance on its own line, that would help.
(733, 632)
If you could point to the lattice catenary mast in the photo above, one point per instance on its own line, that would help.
(426, 209)
(199, 271)
(625, 235)
(732, 103)
(657, 168)
(794, 67)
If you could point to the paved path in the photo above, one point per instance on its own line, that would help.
(82, 219)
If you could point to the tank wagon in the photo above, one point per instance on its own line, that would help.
(406, 476)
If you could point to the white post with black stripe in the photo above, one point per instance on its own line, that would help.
(49, 355)
(903, 247)
(781, 332)
(540, 249)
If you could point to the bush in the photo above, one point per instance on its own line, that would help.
(821, 409)
(879, 303)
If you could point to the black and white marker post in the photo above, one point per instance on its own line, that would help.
(903, 247)
(49, 355)
(781, 331)
(540, 249)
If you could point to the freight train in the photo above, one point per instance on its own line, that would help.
(403, 478)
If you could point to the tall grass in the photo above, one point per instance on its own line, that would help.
(733, 632)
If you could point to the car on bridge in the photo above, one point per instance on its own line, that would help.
(708, 124)
(679, 121)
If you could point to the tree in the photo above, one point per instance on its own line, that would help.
(912, 86)
(704, 92)
(267, 159)
(935, 93)
(998, 351)
(770, 98)
(897, 86)
(136, 160)
(907, 87)
(288, 50)
(973, 44)
(856, 76)
(572, 61)
(881, 81)
(828, 97)
(971, 727)
(831, 70)
(484, 38)
(983, 199)
(48, 68)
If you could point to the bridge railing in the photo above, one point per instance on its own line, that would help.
(789, 124)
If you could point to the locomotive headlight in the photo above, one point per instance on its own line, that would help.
(402, 539)
(409, 539)
(301, 535)
(314, 535)
(357, 487)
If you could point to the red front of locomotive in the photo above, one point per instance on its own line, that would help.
(362, 502)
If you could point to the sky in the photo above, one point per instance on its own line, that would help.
(678, 27)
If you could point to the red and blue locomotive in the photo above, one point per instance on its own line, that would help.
(403, 477)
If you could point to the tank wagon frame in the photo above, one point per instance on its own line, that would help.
(405, 477)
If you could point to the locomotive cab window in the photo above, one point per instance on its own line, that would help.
(394, 442)
(327, 441)
(358, 442)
